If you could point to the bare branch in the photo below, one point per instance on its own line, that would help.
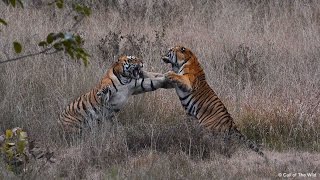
(45, 51)
(27, 55)
(74, 26)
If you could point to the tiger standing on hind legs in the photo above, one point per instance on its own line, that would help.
(199, 99)
(123, 79)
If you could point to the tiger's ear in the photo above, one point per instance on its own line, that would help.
(122, 58)
(183, 49)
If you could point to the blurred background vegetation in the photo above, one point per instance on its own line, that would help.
(261, 58)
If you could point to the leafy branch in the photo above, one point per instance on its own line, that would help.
(70, 43)
(12, 3)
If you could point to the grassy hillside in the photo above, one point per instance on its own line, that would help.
(261, 58)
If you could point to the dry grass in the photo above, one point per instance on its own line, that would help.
(261, 57)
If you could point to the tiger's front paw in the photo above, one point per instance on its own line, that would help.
(170, 76)
(104, 91)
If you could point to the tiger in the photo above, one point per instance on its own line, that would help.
(198, 98)
(124, 78)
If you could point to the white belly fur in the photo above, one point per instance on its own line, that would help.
(119, 99)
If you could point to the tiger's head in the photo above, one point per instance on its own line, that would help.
(177, 57)
(129, 67)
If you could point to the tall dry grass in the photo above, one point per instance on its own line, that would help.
(261, 57)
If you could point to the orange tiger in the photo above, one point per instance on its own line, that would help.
(197, 97)
(123, 79)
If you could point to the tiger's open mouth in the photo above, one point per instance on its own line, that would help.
(166, 59)
(137, 73)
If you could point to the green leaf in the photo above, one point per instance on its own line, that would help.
(84, 10)
(85, 61)
(20, 2)
(17, 47)
(87, 11)
(50, 38)
(78, 55)
(3, 22)
(9, 134)
(9, 167)
(43, 43)
(60, 35)
(70, 52)
(21, 146)
(58, 46)
(13, 3)
(67, 44)
(78, 39)
(23, 136)
(59, 4)
(78, 8)
(83, 52)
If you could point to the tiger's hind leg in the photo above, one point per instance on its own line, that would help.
(226, 146)
(235, 133)
(218, 142)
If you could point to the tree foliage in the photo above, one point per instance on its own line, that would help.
(13, 3)
(17, 150)
(13, 149)
(68, 42)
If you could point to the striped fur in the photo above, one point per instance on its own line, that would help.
(197, 97)
(87, 109)
(123, 79)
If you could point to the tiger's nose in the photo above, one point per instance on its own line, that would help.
(168, 52)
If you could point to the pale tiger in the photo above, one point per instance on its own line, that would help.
(123, 79)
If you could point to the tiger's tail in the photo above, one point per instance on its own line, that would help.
(243, 139)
